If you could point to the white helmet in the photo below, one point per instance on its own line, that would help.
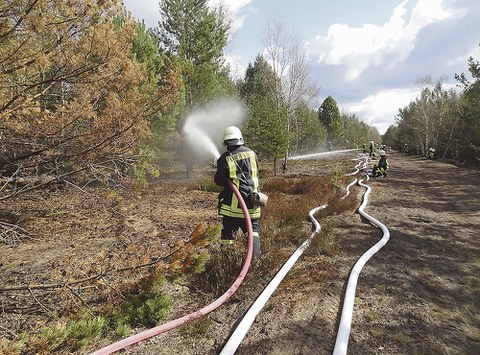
(232, 136)
(382, 153)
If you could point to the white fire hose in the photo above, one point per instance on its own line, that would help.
(246, 322)
(343, 334)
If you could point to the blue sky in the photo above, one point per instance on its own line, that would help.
(366, 54)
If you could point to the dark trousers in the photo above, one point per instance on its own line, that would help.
(231, 225)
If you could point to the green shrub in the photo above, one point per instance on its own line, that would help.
(54, 335)
(75, 334)
(200, 261)
(84, 331)
(145, 309)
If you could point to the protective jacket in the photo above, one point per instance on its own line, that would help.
(240, 164)
(382, 167)
(383, 163)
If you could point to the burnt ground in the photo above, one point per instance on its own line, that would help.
(420, 294)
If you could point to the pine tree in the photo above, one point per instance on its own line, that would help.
(195, 35)
(71, 94)
(266, 125)
(329, 115)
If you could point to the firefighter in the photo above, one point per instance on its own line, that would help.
(372, 149)
(381, 169)
(431, 154)
(240, 164)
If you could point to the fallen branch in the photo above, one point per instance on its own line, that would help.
(30, 186)
(45, 309)
(99, 198)
(8, 180)
(9, 331)
(12, 234)
(74, 293)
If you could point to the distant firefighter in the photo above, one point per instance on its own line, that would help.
(381, 169)
(431, 154)
(372, 149)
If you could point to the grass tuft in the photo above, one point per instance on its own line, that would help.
(197, 328)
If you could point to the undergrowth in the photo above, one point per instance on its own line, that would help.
(145, 305)
(65, 336)
(285, 220)
(211, 266)
(222, 267)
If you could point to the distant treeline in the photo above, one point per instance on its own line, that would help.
(445, 120)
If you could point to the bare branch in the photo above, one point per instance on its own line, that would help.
(12, 234)
(98, 276)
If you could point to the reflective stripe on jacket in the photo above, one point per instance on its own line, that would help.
(240, 164)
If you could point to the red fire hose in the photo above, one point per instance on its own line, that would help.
(122, 344)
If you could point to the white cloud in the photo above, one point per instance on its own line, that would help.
(359, 48)
(234, 7)
(427, 11)
(237, 70)
(379, 109)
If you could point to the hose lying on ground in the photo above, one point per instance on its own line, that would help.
(357, 167)
(343, 334)
(201, 312)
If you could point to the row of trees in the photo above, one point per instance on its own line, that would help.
(447, 120)
(85, 88)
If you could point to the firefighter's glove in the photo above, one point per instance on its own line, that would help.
(256, 246)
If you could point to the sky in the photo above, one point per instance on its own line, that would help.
(367, 54)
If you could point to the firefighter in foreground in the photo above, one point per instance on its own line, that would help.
(240, 164)
(381, 169)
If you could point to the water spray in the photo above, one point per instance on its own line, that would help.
(204, 141)
(323, 155)
(205, 126)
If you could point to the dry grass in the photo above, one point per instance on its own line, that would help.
(285, 224)
(325, 243)
(221, 269)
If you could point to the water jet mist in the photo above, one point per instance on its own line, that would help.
(323, 155)
(205, 126)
